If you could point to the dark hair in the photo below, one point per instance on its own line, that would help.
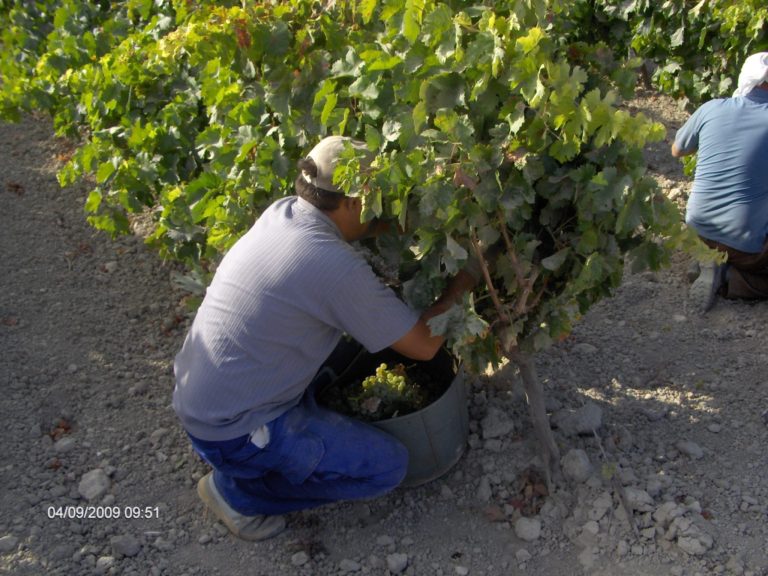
(325, 200)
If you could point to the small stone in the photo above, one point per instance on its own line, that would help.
(653, 487)
(347, 565)
(715, 428)
(484, 491)
(638, 499)
(385, 541)
(204, 539)
(585, 348)
(110, 267)
(523, 555)
(156, 438)
(587, 558)
(735, 565)
(461, 570)
(397, 562)
(496, 423)
(104, 563)
(64, 445)
(94, 484)
(695, 545)
(528, 529)
(8, 543)
(690, 449)
(622, 548)
(300, 558)
(576, 465)
(666, 513)
(584, 420)
(124, 545)
(592, 528)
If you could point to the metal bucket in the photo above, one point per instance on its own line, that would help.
(435, 436)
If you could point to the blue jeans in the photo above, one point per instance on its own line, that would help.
(314, 456)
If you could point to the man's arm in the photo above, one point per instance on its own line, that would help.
(677, 153)
(419, 343)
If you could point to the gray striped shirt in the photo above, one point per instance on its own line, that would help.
(278, 305)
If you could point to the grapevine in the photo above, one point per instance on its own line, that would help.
(488, 124)
(694, 48)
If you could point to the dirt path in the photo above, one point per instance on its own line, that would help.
(88, 330)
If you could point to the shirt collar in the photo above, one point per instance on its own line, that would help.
(758, 95)
(315, 212)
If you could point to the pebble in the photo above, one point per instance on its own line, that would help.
(576, 465)
(64, 445)
(715, 428)
(592, 528)
(8, 543)
(695, 545)
(385, 541)
(496, 423)
(585, 348)
(666, 513)
(638, 499)
(94, 484)
(104, 564)
(461, 570)
(397, 562)
(600, 506)
(300, 558)
(580, 421)
(528, 529)
(124, 545)
(484, 491)
(523, 555)
(690, 449)
(347, 566)
(622, 548)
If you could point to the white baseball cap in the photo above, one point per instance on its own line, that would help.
(326, 154)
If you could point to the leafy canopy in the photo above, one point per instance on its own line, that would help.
(487, 123)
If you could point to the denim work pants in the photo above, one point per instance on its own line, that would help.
(748, 276)
(314, 456)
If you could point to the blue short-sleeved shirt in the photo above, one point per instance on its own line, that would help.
(277, 307)
(729, 202)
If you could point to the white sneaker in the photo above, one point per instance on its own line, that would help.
(253, 528)
(703, 292)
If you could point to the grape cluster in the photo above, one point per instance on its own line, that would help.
(387, 271)
(386, 382)
(387, 393)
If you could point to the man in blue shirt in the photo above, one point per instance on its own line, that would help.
(728, 206)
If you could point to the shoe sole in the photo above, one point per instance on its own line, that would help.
(703, 292)
(267, 527)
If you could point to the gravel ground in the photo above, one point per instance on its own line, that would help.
(659, 416)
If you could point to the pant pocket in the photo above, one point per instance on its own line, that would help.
(298, 448)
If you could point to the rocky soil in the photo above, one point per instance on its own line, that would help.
(659, 415)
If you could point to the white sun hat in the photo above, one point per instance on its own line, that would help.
(753, 73)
